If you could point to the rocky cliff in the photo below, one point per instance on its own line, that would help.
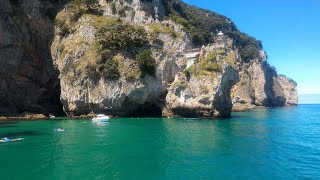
(109, 76)
(131, 58)
(28, 80)
(260, 85)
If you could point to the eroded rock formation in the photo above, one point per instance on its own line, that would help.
(130, 58)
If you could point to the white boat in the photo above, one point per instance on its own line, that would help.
(51, 116)
(100, 118)
(59, 130)
(6, 140)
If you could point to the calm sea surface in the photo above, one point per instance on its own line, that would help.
(279, 143)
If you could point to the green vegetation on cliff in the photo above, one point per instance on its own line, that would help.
(116, 42)
(207, 66)
(73, 11)
(202, 25)
(146, 62)
(120, 36)
(116, 38)
(159, 28)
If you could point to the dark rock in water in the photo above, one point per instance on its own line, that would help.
(24, 116)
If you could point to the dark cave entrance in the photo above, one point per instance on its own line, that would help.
(147, 110)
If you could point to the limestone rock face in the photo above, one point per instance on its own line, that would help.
(289, 89)
(203, 97)
(135, 11)
(28, 80)
(199, 96)
(260, 85)
(125, 58)
(130, 94)
(202, 88)
(203, 82)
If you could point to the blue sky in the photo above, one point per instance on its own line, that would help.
(288, 29)
(309, 99)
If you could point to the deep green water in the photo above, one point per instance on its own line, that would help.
(280, 143)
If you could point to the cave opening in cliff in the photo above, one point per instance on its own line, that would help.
(147, 110)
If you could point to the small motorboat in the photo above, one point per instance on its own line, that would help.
(52, 116)
(59, 130)
(6, 140)
(100, 118)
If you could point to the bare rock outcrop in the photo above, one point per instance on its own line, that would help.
(201, 96)
(260, 85)
(135, 11)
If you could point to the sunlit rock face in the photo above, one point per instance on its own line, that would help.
(260, 85)
(129, 58)
(130, 93)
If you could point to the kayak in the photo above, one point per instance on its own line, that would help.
(10, 140)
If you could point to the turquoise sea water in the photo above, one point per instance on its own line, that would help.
(279, 143)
